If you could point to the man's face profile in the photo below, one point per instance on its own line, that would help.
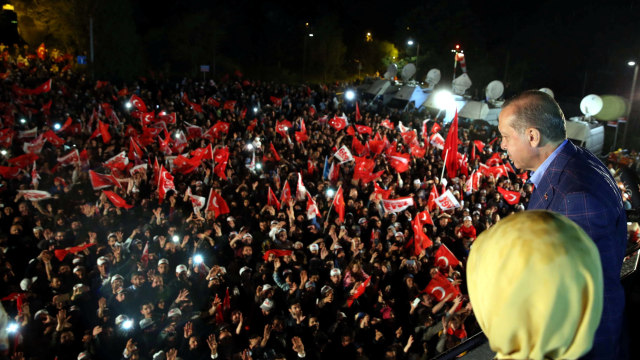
(515, 143)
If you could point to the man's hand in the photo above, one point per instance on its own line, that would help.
(213, 344)
(297, 345)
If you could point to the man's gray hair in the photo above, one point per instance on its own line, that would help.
(536, 109)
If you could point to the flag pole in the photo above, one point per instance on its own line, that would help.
(331, 206)
(444, 165)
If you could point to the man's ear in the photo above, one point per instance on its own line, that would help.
(533, 136)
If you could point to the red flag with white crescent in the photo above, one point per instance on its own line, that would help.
(384, 194)
(338, 204)
(445, 258)
(511, 197)
(420, 240)
(274, 152)
(286, 194)
(437, 140)
(272, 200)
(70, 158)
(165, 183)
(217, 204)
(400, 161)
(116, 200)
(440, 288)
(101, 181)
(433, 195)
(388, 124)
(312, 208)
(359, 291)
(358, 116)
(54, 139)
(338, 123)
(137, 103)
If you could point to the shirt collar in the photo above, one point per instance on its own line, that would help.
(536, 176)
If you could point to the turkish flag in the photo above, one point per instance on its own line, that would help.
(45, 87)
(364, 166)
(397, 205)
(494, 160)
(165, 183)
(229, 105)
(220, 169)
(338, 204)
(137, 103)
(445, 258)
(473, 182)
(357, 146)
(220, 127)
(433, 195)
(418, 151)
(478, 144)
(221, 154)
(101, 181)
(61, 253)
(511, 197)
(420, 240)
(400, 162)
(272, 200)
(118, 162)
(135, 152)
(276, 253)
(282, 127)
(311, 168)
(451, 148)
(440, 287)
(496, 171)
(46, 108)
(285, 197)
(22, 161)
(277, 102)
(197, 202)
(334, 172)
(338, 123)
(436, 128)
(9, 172)
(358, 116)
(409, 137)
(104, 131)
(359, 291)
(363, 129)
(213, 102)
(116, 200)
(384, 194)
(274, 152)
(6, 136)
(350, 131)
(425, 217)
(388, 124)
(123, 92)
(54, 139)
(376, 146)
(217, 204)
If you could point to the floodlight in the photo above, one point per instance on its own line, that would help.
(350, 95)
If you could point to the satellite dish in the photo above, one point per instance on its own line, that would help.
(547, 91)
(433, 77)
(591, 105)
(461, 84)
(408, 71)
(392, 71)
(494, 90)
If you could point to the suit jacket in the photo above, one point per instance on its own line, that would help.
(577, 185)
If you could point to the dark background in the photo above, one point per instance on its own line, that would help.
(574, 48)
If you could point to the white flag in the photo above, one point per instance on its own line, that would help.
(447, 201)
(343, 154)
(397, 205)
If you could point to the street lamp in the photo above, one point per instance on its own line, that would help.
(631, 95)
(410, 43)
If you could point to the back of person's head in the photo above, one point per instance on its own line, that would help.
(537, 109)
(535, 283)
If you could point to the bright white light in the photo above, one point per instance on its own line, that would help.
(197, 259)
(444, 100)
(255, 109)
(176, 135)
(350, 95)
(310, 35)
(286, 128)
(12, 328)
(127, 324)
(249, 147)
(157, 106)
(56, 126)
(330, 192)
(176, 238)
(23, 121)
(3, 152)
(631, 63)
(410, 42)
(258, 166)
(163, 113)
(128, 105)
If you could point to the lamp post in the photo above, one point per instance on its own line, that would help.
(631, 95)
(456, 51)
(410, 43)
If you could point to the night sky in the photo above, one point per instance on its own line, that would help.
(573, 47)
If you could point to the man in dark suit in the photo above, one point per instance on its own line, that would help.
(571, 181)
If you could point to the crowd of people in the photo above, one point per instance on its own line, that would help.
(213, 219)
